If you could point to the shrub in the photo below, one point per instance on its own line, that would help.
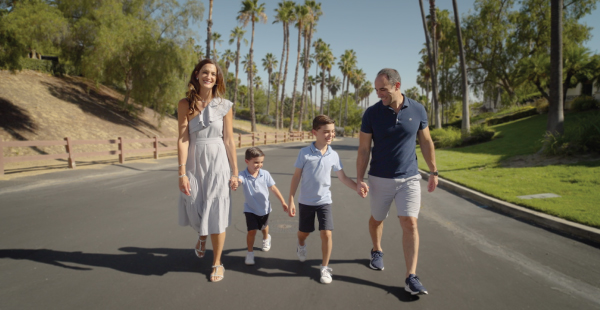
(243, 114)
(582, 135)
(511, 117)
(446, 137)
(265, 119)
(47, 66)
(286, 122)
(584, 103)
(541, 105)
(479, 134)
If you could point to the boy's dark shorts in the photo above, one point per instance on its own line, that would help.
(256, 222)
(307, 217)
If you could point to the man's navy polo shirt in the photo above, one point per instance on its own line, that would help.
(394, 138)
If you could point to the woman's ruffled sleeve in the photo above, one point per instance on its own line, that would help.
(215, 111)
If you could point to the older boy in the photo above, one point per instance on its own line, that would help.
(313, 168)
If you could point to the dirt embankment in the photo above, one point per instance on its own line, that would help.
(38, 106)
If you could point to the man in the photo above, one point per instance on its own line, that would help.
(394, 124)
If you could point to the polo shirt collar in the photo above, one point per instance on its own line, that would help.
(248, 174)
(405, 105)
(314, 149)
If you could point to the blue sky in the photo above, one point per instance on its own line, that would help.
(383, 33)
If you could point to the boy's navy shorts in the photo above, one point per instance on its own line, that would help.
(307, 217)
(256, 222)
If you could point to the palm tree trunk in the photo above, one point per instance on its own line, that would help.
(296, 78)
(556, 116)
(432, 68)
(251, 77)
(322, 90)
(305, 103)
(237, 66)
(209, 29)
(269, 91)
(340, 118)
(347, 95)
(466, 123)
(287, 56)
(279, 82)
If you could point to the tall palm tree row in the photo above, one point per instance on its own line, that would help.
(284, 15)
(333, 85)
(237, 35)
(253, 12)
(269, 62)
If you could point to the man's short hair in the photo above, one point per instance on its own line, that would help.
(254, 152)
(391, 74)
(321, 120)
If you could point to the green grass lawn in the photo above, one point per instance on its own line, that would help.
(483, 167)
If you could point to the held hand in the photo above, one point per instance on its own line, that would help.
(292, 210)
(433, 182)
(285, 207)
(184, 185)
(364, 189)
(233, 182)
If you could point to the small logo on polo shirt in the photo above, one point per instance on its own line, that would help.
(410, 119)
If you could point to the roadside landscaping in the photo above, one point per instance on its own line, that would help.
(508, 166)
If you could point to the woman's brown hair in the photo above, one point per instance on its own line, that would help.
(193, 93)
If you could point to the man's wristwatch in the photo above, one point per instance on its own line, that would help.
(434, 173)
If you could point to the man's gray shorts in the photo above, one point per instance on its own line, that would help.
(406, 193)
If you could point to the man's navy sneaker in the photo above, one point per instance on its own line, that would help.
(414, 286)
(376, 260)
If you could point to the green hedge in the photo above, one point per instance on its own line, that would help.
(584, 103)
(511, 117)
(582, 135)
(451, 137)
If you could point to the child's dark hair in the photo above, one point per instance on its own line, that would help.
(254, 152)
(322, 120)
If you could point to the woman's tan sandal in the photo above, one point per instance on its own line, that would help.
(217, 277)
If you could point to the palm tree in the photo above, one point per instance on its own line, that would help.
(301, 12)
(466, 126)
(228, 58)
(253, 12)
(346, 64)
(556, 118)
(199, 52)
(209, 28)
(268, 63)
(333, 84)
(324, 60)
(216, 38)
(285, 15)
(311, 82)
(237, 34)
(314, 12)
(358, 77)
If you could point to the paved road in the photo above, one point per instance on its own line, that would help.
(108, 239)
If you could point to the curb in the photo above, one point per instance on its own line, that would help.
(553, 223)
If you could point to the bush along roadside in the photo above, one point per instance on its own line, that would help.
(582, 135)
(451, 137)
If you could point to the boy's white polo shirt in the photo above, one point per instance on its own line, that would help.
(316, 174)
(256, 191)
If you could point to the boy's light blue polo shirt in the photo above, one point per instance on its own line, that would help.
(316, 174)
(256, 191)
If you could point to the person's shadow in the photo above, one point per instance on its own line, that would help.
(159, 261)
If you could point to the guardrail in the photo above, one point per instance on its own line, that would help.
(70, 155)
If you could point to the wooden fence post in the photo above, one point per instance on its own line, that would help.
(155, 147)
(276, 134)
(265, 138)
(121, 151)
(284, 137)
(70, 151)
(252, 139)
(1, 157)
(239, 140)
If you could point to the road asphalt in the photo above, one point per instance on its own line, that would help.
(108, 238)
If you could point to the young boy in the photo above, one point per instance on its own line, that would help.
(313, 168)
(256, 183)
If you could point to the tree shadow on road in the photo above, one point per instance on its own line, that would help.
(160, 261)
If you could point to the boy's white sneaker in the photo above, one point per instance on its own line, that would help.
(250, 258)
(267, 243)
(301, 252)
(326, 275)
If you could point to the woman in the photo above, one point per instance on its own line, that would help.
(205, 173)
